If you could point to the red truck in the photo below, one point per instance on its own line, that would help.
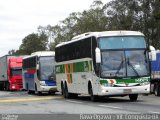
(11, 73)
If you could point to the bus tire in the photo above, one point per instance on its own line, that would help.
(157, 90)
(29, 92)
(62, 88)
(66, 93)
(133, 97)
(36, 91)
(74, 95)
(51, 93)
(93, 97)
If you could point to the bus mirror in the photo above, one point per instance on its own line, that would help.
(37, 66)
(98, 55)
(152, 55)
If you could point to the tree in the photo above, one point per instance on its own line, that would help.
(12, 52)
(137, 15)
(90, 20)
(93, 19)
(32, 43)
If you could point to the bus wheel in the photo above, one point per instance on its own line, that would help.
(39, 93)
(29, 92)
(62, 88)
(157, 90)
(66, 93)
(74, 95)
(94, 98)
(51, 93)
(36, 91)
(133, 97)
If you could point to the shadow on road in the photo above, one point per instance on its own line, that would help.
(107, 99)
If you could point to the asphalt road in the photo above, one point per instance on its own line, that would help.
(22, 103)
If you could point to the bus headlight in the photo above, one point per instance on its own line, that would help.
(42, 83)
(144, 83)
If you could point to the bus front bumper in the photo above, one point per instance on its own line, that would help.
(48, 88)
(107, 91)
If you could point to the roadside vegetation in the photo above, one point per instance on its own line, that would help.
(137, 15)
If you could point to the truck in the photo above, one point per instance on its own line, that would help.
(11, 73)
(155, 72)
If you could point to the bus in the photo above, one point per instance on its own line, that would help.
(103, 64)
(38, 72)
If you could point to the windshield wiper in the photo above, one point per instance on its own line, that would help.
(120, 66)
(128, 61)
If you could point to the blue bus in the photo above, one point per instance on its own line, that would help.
(38, 72)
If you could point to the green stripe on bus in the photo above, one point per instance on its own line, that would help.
(60, 69)
(123, 81)
(84, 66)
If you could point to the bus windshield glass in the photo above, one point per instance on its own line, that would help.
(16, 72)
(121, 42)
(47, 68)
(124, 63)
(123, 56)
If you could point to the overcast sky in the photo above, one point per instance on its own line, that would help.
(18, 18)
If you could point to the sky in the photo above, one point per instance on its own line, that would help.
(19, 18)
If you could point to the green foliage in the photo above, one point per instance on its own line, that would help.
(90, 20)
(138, 15)
(33, 42)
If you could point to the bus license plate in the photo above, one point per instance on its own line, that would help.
(126, 91)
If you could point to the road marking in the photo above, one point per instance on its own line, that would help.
(109, 106)
(28, 99)
(153, 112)
(72, 101)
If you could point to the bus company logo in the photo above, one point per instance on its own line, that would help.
(111, 81)
(58, 69)
(141, 80)
(126, 84)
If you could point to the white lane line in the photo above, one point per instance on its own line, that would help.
(72, 101)
(109, 106)
(153, 112)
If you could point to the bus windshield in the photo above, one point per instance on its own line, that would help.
(47, 70)
(122, 42)
(16, 72)
(124, 63)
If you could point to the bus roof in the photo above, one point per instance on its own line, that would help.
(41, 53)
(102, 34)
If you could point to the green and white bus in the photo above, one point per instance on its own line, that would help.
(109, 63)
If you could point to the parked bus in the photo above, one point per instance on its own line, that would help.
(109, 63)
(38, 72)
(155, 71)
